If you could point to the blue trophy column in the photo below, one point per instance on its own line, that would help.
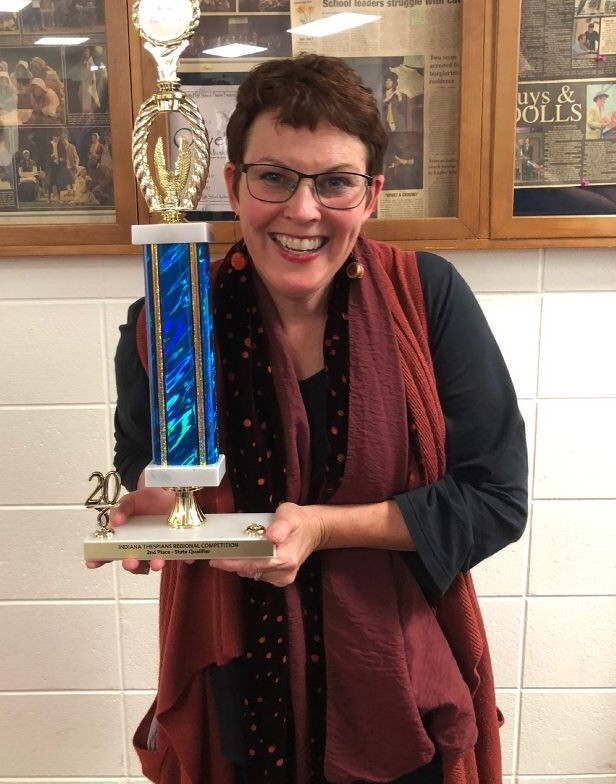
(181, 352)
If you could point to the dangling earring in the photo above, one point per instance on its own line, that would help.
(355, 270)
(239, 257)
(238, 261)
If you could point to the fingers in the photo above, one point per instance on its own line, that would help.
(143, 567)
(243, 568)
(118, 516)
(268, 570)
(250, 573)
(124, 510)
(293, 533)
(135, 566)
(255, 569)
(131, 565)
(279, 530)
(148, 501)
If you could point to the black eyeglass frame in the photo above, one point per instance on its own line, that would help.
(244, 167)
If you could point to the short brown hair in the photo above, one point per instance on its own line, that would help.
(303, 91)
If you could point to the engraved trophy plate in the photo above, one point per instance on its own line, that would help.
(222, 536)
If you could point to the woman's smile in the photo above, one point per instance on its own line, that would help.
(299, 245)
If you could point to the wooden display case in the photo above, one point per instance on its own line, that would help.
(469, 140)
(76, 196)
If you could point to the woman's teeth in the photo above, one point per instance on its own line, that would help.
(298, 244)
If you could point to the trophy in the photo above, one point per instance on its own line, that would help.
(180, 341)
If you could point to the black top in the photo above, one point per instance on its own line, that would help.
(480, 505)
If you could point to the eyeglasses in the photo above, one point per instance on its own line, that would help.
(336, 190)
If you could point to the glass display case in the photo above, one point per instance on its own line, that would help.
(65, 128)
(500, 116)
(554, 161)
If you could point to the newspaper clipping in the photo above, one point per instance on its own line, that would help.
(413, 68)
(566, 104)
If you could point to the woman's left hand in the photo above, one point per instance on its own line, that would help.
(297, 531)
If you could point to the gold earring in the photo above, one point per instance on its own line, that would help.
(355, 270)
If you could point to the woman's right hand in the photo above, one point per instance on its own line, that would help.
(145, 501)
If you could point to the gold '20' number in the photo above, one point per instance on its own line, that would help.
(107, 490)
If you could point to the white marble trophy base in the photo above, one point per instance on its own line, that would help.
(185, 476)
(170, 233)
(221, 536)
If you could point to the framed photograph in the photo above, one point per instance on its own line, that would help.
(66, 181)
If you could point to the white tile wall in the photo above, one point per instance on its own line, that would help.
(504, 574)
(567, 780)
(58, 646)
(577, 630)
(62, 734)
(568, 731)
(503, 618)
(508, 703)
(139, 637)
(520, 345)
(573, 548)
(574, 334)
(48, 453)
(137, 704)
(30, 574)
(78, 650)
(34, 335)
(574, 449)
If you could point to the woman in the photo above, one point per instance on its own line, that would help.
(345, 364)
(81, 191)
(29, 186)
(44, 102)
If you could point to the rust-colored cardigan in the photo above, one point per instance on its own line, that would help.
(200, 610)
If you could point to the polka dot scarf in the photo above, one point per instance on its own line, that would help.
(259, 466)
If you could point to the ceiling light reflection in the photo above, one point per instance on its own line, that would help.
(337, 23)
(13, 6)
(60, 40)
(234, 50)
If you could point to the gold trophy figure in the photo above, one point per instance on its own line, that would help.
(166, 27)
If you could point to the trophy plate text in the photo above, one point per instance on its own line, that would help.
(147, 537)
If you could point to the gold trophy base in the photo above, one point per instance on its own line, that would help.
(221, 536)
(186, 512)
